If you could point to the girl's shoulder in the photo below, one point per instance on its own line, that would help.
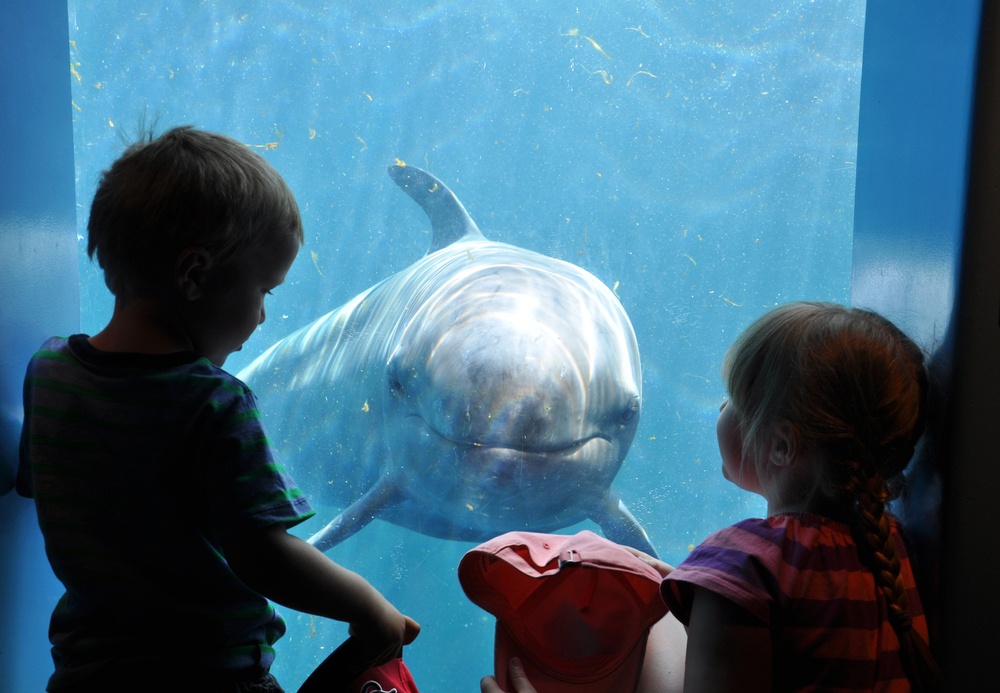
(778, 534)
(804, 522)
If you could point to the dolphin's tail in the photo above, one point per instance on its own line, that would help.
(450, 221)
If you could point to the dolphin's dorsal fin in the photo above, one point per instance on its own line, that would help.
(449, 220)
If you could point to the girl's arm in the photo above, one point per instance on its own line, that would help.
(728, 649)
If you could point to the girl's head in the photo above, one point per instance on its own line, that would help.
(835, 397)
(843, 385)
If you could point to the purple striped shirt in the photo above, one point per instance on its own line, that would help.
(800, 574)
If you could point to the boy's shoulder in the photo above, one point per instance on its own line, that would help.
(53, 350)
(75, 357)
(56, 343)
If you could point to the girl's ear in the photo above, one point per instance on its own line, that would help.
(191, 271)
(784, 445)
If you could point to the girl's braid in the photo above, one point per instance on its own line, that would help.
(877, 550)
(875, 535)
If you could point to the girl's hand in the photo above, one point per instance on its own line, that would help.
(659, 566)
(517, 678)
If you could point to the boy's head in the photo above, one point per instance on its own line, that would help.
(186, 188)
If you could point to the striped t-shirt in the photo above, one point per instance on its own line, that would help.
(141, 466)
(800, 574)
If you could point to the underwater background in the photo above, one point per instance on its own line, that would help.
(697, 156)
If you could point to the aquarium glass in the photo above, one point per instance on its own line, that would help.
(696, 156)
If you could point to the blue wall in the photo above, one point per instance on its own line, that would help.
(927, 253)
(914, 199)
(39, 294)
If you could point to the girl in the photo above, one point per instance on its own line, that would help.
(825, 406)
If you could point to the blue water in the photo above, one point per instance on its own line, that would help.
(696, 155)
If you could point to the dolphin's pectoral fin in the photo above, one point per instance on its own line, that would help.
(621, 527)
(450, 221)
(356, 516)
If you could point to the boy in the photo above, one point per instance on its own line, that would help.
(163, 507)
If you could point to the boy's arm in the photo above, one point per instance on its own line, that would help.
(293, 573)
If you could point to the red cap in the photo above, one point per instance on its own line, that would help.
(339, 672)
(575, 609)
(392, 677)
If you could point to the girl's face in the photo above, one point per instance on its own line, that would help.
(740, 471)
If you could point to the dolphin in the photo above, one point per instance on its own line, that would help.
(483, 389)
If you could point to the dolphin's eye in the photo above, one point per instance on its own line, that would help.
(395, 385)
(394, 381)
(630, 411)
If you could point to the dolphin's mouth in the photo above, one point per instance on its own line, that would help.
(552, 448)
(538, 449)
(525, 484)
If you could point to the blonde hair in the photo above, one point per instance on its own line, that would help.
(184, 188)
(851, 387)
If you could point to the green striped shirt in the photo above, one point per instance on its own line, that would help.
(141, 466)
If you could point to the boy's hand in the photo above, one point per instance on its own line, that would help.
(412, 630)
(384, 637)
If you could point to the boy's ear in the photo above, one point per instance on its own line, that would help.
(784, 445)
(191, 271)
